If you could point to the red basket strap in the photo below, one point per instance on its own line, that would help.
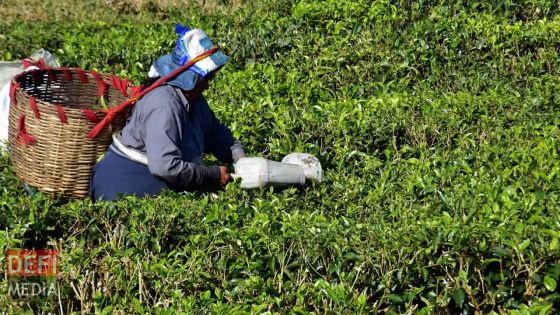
(90, 115)
(101, 85)
(82, 75)
(67, 74)
(119, 84)
(28, 63)
(33, 104)
(23, 136)
(61, 114)
(135, 90)
(52, 76)
(13, 88)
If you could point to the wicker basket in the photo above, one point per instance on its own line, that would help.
(51, 114)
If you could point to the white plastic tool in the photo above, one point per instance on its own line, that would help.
(310, 164)
(258, 172)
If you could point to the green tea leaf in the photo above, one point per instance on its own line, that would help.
(549, 283)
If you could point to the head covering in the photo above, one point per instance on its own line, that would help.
(190, 44)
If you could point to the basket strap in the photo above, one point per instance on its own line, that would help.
(33, 104)
(90, 115)
(113, 112)
(61, 114)
(101, 85)
(52, 76)
(135, 90)
(23, 136)
(28, 63)
(82, 75)
(67, 74)
(13, 87)
(119, 84)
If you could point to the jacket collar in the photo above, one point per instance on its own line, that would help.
(182, 98)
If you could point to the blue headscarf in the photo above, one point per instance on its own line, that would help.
(191, 43)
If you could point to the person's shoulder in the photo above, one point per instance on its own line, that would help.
(160, 97)
(162, 91)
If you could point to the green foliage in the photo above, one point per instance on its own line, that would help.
(437, 126)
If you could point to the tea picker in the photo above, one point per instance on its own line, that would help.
(173, 126)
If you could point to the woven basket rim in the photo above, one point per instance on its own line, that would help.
(92, 74)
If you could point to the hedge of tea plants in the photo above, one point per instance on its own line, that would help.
(437, 127)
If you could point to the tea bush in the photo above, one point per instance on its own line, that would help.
(436, 124)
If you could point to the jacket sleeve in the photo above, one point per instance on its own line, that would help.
(162, 133)
(222, 144)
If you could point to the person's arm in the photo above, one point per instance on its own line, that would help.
(222, 144)
(162, 133)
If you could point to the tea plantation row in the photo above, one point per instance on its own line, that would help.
(437, 127)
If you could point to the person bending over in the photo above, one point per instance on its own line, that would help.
(170, 128)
